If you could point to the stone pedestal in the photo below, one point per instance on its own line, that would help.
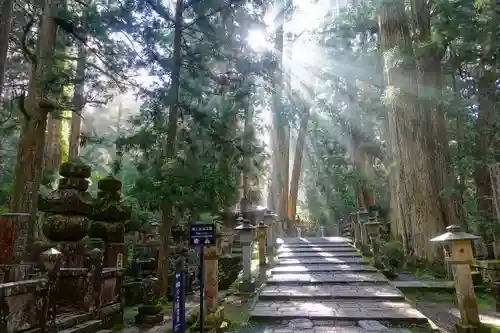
(373, 230)
(299, 232)
(357, 234)
(363, 216)
(461, 258)
(262, 229)
(246, 239)
(268, 220)
(211, 279)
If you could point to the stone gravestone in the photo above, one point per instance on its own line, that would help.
(109, 219)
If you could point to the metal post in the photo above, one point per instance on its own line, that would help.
(202, 288)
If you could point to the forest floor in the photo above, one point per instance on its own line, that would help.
(441, 308)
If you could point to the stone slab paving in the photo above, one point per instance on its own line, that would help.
(306, 267)
(317, 254)
(321, 261)
(307, 245)
(331, 278)
(316, 329)
(286, 249)
(309, 240)
(344, 310)
(325, 291)
(417, 284)
(325, 280)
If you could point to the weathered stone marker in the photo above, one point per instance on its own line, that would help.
(262, 229)
(211, 278)
(321, 231)
(461, 258)
(373, 230)
(246, 238)
(13, 246)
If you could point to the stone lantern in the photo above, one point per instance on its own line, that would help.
(461, 257)
(363, 218)
(262, 230)
(271, 236)
(373, 231)
(246, 230)
(50, 263)
(322, 231)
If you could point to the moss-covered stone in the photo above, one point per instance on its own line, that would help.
(107, 231)
(74, 169)
(59, 228)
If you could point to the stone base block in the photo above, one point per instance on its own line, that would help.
(246, 287)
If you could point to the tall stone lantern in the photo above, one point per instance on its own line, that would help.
(246, 230)
(373, 231)
(461, 257)
(271, 237)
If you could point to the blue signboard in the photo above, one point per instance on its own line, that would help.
(202, 234)
(179, 306)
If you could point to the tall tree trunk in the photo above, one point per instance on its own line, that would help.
(297, 164)
(79, 103)
(52, 158)
(168, 216)
(279, 133)
(27, 175)
(486, 125)
(430, 88)
(5, 21)
(247, 161)
(419, 201)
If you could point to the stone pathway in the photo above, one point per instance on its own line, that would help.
(316, 288)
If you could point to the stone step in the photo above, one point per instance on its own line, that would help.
(306, 267)
(306, 245)
(321, 261)
(332, 278)
(90, 326)
(286, 249)
(309, 240)
(325, 291)
(317, 254)
(399, 312)
(322, 329)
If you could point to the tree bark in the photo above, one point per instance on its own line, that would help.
(168, 217)
(29, 162)
(297, 164)
(430, 91)
(79, 103)
(279, 133)
(418, 200)
(5, 22)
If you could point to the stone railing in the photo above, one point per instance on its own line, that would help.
(59, 298)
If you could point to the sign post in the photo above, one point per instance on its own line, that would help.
(179, 306)
(202, 235)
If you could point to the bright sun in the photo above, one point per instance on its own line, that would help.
(257, 40)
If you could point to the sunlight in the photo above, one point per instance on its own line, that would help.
(257, 40)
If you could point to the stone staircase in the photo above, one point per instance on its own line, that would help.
(324, 285)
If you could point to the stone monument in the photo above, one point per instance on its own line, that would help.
(108, 219)
(67, 210)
